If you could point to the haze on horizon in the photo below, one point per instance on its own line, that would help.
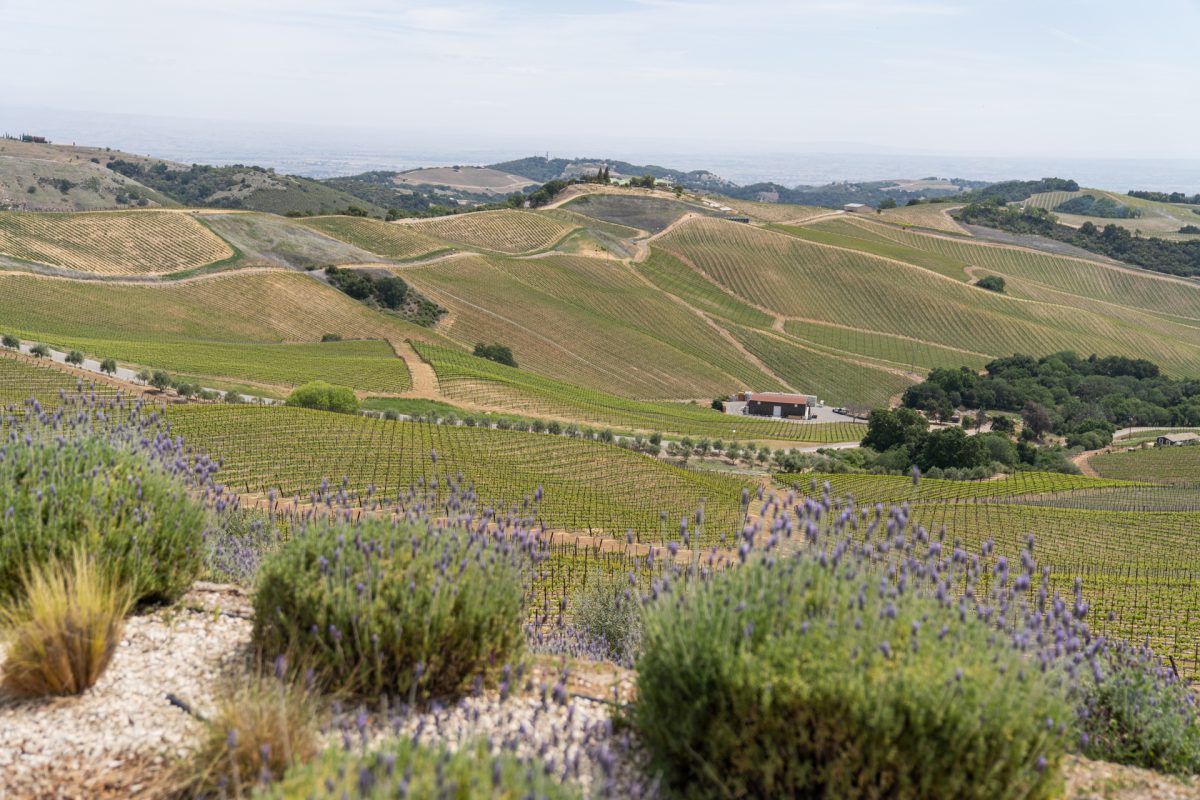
(1071, 79)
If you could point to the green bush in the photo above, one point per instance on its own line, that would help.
(784, 679)
(403, 769)
(402, 609)
(324, 397)
(1134, 716)
(10, 341)
(127, 512)
(39, 351)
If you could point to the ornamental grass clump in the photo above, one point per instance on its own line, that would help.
(263, 725)
(119, 499)
(62, 632)
(403, 609)
(405, 769)
(790, 678)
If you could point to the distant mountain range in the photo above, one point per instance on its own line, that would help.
(40, 176)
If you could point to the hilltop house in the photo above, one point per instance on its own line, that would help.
(1176, 439)
(779, 405)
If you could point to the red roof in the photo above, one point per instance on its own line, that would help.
(779, 397)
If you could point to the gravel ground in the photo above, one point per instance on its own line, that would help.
(75, 746)
(1099, 780)
(117, 740)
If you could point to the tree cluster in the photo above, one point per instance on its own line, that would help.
(1114, 241)
(899, 440)
(1165, 197)
(385, 291)
(1090, 206)
(1083, 399)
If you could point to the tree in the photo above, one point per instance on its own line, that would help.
(10, 341)
(993, 283)
(160, 380)
(39, 351)
(679, 191)
(718, 404)
(144, 376)
(952, 448)
(324, 397)
(75, 357)
(1003, 424)
(1037, 418)
(887, 202)
(108, 366)
(887, 429)
(501, 354)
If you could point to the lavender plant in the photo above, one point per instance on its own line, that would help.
(407, 770)
(101, 475)
(787, 677)
(404, 608)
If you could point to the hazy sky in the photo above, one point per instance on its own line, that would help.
(1012, 77)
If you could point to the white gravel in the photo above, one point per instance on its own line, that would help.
(46, 745)
(117, 739)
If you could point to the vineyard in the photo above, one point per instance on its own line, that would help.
(584, 321)
(1156, 464)
(1088, 280)
(467, 378)
(650, 214)
(1132, 544)
(507, 231)
(925, 215)
(111, 243)
(21, 380)
(588, 486)
(821, 283)
(399, 242)
(364, 365)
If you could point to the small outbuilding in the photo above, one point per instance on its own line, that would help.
(1177, 439)
(779, 405)
(857, 208)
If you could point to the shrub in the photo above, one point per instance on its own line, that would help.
(108, 366)
(1135, 715)
(63, 630)
(324, 397)
(123, 509)
(262, 726)
(608, 615)
(74, 357)
(10, 341)
(405, 769)
(392, 608)
(39, 351)
(331, 337)
(233, 398)
(789, 678)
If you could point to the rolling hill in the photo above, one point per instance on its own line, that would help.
(614, 298)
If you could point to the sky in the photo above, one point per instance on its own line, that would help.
(1099, 79)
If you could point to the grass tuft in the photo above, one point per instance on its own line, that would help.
(62, 635)
(263, 725)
